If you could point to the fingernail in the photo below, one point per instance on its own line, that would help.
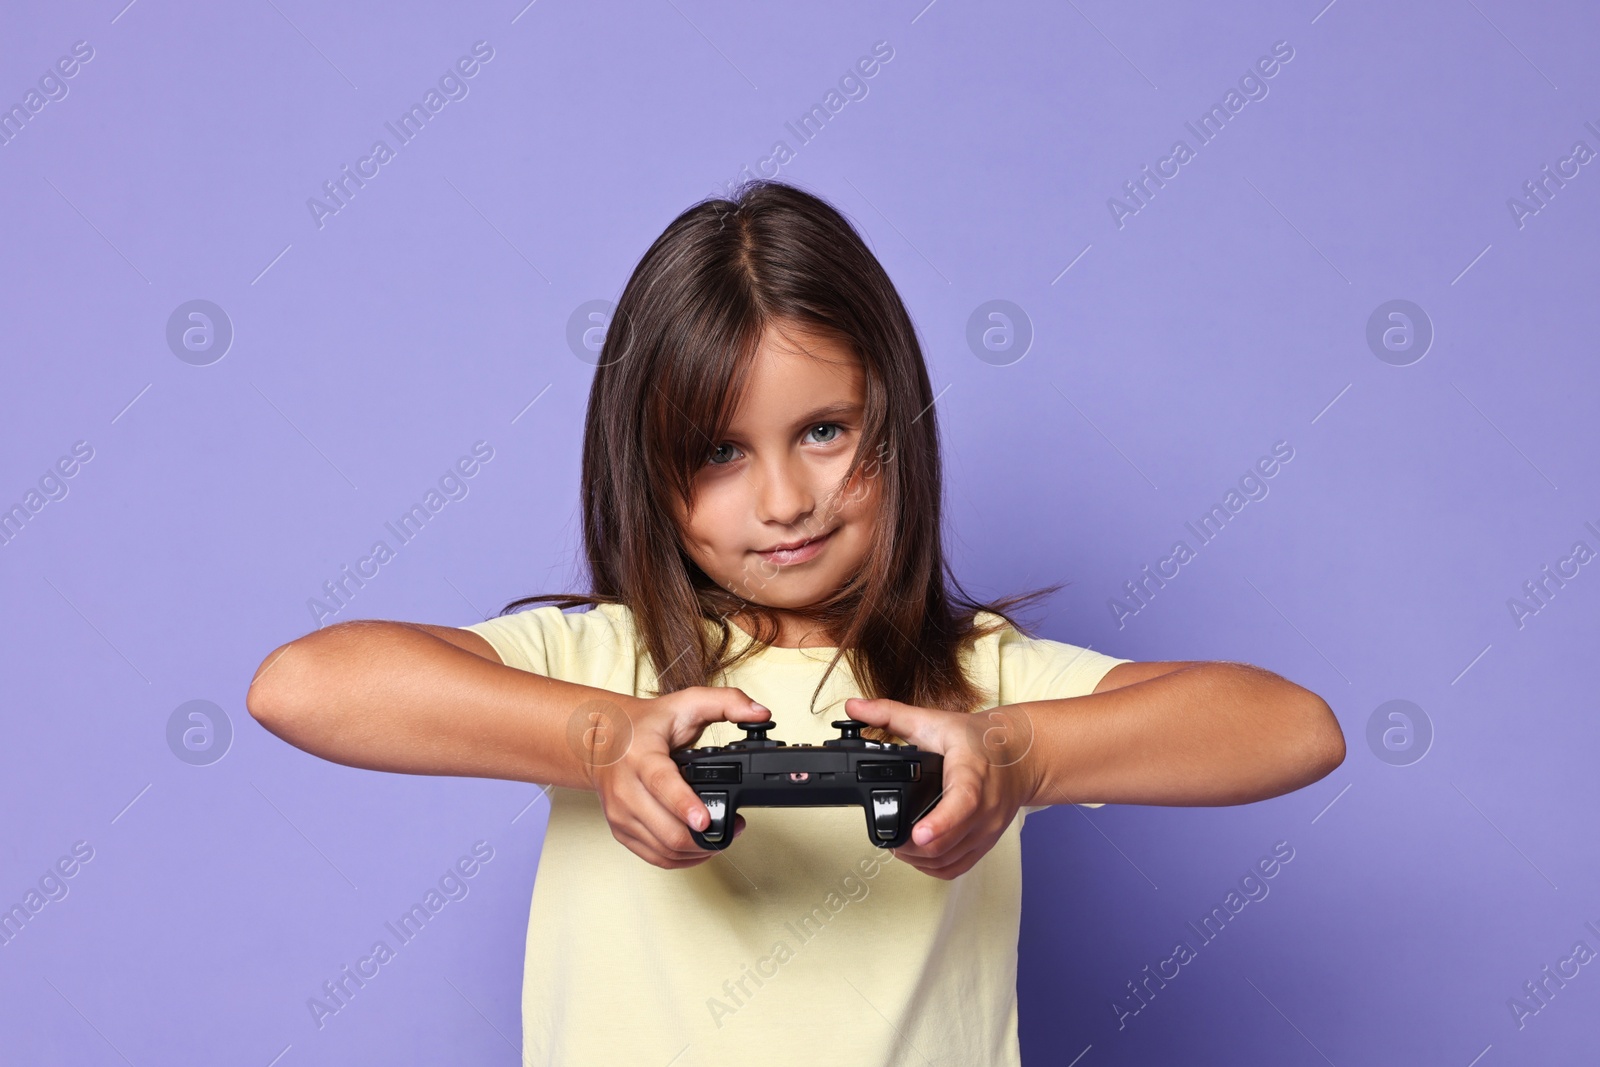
(697, 819)
(756, 707)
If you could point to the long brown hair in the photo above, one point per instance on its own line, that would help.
(674, 359)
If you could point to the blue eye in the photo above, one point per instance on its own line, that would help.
(824, 425)
(725, 453)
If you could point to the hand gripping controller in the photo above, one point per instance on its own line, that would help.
(894, 784)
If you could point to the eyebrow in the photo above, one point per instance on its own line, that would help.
(842, 407)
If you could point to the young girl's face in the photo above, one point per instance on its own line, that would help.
(775, 481)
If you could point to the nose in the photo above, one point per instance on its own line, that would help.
(783, 492)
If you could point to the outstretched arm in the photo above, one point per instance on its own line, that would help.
(418, 699)
(1201, 733)
(422, 699)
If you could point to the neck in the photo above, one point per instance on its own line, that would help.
(794, 630)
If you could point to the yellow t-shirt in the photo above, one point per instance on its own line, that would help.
(802, 943)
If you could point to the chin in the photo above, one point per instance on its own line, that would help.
(792, 599)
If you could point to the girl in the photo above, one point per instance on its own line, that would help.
(761, 513)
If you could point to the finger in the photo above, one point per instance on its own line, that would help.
(668, 839)
(668, 863)
(629, 835)
(664, 827)
(970, 848)
(663, 780)
(942, 849)
(692, 855)
(958, 859)
(955, 868)
(916, 725)
(700, 706)
(923, 864)
(634, 812)
(647, 852)
(942, 827)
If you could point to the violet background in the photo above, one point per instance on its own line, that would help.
(1229, 314)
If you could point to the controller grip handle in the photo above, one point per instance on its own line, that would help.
(718, 833)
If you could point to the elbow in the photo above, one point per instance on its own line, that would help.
(1321, 746)
(270, 698)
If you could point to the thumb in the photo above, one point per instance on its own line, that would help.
(716, 705)
(916, 725)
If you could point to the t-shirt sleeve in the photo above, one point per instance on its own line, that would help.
(524, 640)
(571, 646)
(1042, 669)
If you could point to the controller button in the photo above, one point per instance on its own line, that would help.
(714, 772)
(884, 772)
(755, 731)
(885, 813)
(799, 776)
(717, 806)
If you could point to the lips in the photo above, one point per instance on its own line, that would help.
(795, 551)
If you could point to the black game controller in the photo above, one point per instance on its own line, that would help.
(894, 784)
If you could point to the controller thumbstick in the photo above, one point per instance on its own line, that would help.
(849, 729)
(755, 731)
